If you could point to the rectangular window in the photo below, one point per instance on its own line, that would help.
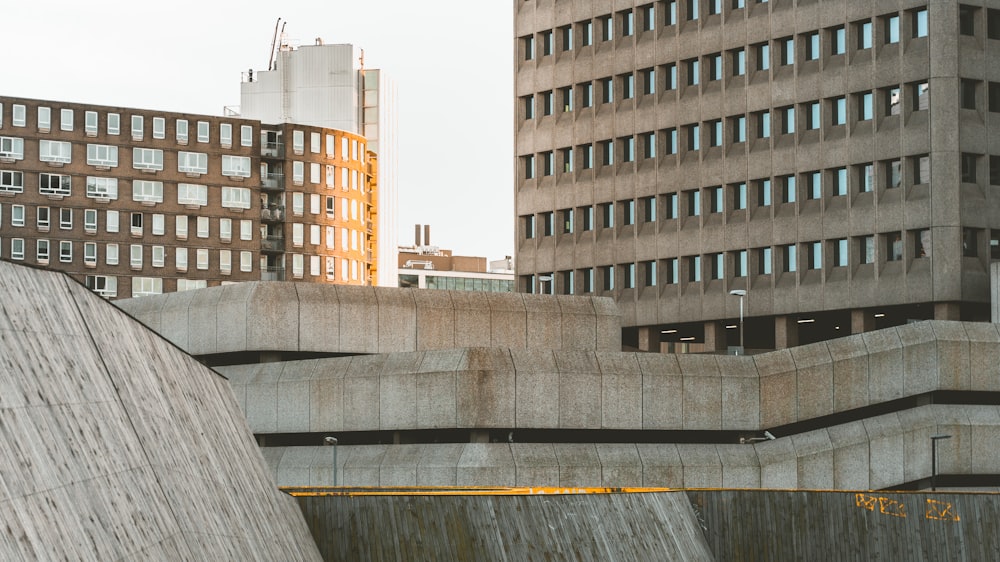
(628, 212)
(838, 111)
(739, 128)
(226, 135)
(147, 159)
(158, 256)
(42, 218)
(42, 251)
(763, 188)
(921, 96)
(225, 262)
(789, 261)
(892, 29)
(102, 188)
(865, 108)
(671, 271)
(840, 256)
(763, 52)
(17, 215)
(838, 40)
(670, 76)
(158, 224)
(789, 189)
(11, 148)
(111, 254)
(764, 261)
(891, 98)
(692, 9)
(191, 194)
(714, 7)
(811, 46)
(246, 230)
(648, 81)
(246, 136)
(893, 171)
(670, 206)
(102, 155)
(137, 224)
(66, 218)
(239, 166)
(54, 184)
(787, 51)
(147, 191)
(866, 178)
(246, 263)
(586, 218)
(202, 227)
(192, 162)
(866, 249)
(715, 67)
(201, 258)
(692, 67)
(17, 248)
(814, 185)
(135, 256)
(922, 170)
(693, 199)
(813, 119)
(920, 22)
(90, 253)
(55, 151)
(693, 137)
(738, 60)
(739, 195)
(607, 215)
(159, 127)
(182, 131)
(694, 268)
(90, 221)
(44, 118)
(236, 197)
(547, 46)
(111, 221)
(763, 120)
(671, 141)
(717, 200)
(715, 132)
(66, 119)
(966, 93)
(628, 23)
(670, 14)
(740, 263)
(203, 134)
(90, 123)
(968, 162)
(529, 47)
(114, 123)
(863, 29)
(567, 37)
(137, 127)
(145, 286)
(18, 115)
(11, 182)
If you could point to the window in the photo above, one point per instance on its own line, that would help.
(715, 67)
(102, 188)
(813, 120)
(715, 132)
(226, 135)
(17, 248)
(966, 93)
(586, 94)
(607, 153)
(921, 96)
(17, 215)
(969, 167)
(970, 242)
(566, 221)
(739, 195)
(693, 199)
(692, 71)
(90, 123)
(54, 184)
(788, 189)
(246, 230)
(840, 256)
(863, 29)
(11, 148)
(787, 51)
(159, 127)
(967, 19)
(692, 9)
(191, 194)
(114, 123)
(694, 268)
(740, 264)
(246, 137)
(11, 182)
(42, 251)
(763, 121)
(739, 128)
(992, 24)
(693, 137)
(763, 188)
(922, 170)
(717, 200)
(202, 227)
(788, 258)
(90, 253)
(226, 230)
(787, 120)
(866, 177)
(628, 149)
(837, 38)
(670, 16)
(111, 254)
(670, 74)
(763, 52)
(738, 60)
(893, 171)
(865, 108)
(607, 28)
(587, 156)
(147, 159)
(671, 137)
(714, 7)
(145, 286)
(147, 191)
(299, 174)
(42, 218)
(137, 127)
(920, 22)
(238, 166)
(137, 224)
(670, 206)
(181, 258)
(225, 262)
(182, 131)
(546, 38)
(529, 47)
(66, 219)
(866, 249)
(18, 115)
(548, 163)
(90, 221)
(648, 17)
(529, 106)
(158, 224)
(192, 162)
(607, 211)
(811, 46)
(586, 218)
(66, 119)
(246, 262)
(236, 197)
(55, 151)
(203, 135)
(764, 261)
(44, 118)
(814, 185)
(567, 37)
(892, 29)
(628, 212)
(111, 221)
(567, 159)
(671, 271)
(838, 111)
(547, 103)
(102, 155)
(648, 81)
(628, 23)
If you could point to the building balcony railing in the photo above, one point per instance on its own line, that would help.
(272, 181)
(273, 244)
(272, 273)
(275, 213)
(273, 150)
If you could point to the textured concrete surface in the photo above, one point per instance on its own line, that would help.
(303, 317)
(120, 446)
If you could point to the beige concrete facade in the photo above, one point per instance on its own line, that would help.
(814, 154)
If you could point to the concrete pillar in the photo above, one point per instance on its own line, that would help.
(715, 336)
(862, 321)
(786, 332)
(947, 311)
(649, 339)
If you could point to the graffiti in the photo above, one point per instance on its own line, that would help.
(887, 506)
(940, 511)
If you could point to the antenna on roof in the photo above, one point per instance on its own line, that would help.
(274, 40)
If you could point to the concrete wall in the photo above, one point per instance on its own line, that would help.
(117, 445)
(873, 453)
(293, 317)
(526, 388)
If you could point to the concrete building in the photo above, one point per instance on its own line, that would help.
(426, 266)
(136, 202)
(835, 160)
(329, 86)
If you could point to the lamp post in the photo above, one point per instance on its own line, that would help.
(934, 440)
(740, 293)
(333, 441)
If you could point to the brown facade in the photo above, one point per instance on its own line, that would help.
(134, 202)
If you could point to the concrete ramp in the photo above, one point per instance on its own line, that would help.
(514, 525)
(117, 445)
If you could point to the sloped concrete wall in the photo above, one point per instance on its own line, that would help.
(874, 453)
(117, 445)
(304, 317)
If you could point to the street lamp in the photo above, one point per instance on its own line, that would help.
(333, 441)
(934, 440)
(740, 293)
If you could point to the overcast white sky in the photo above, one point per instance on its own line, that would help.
(451, 60)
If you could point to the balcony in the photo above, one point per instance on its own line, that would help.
(273, 244)
(272, 273)
(274, 213)
(273, 150)
(272, 181)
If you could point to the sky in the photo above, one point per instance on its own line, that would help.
(451, 60)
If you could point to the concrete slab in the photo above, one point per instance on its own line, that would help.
(662, 391)
(814, 380)
(661, 465)
(435, 320)
(484, 464)
(579, 464)
(849, 358)
(536, 464)
(621, 390)
(778, 388)
(620, 464)
(536, 385)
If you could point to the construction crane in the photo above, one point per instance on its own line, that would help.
(272, 63)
